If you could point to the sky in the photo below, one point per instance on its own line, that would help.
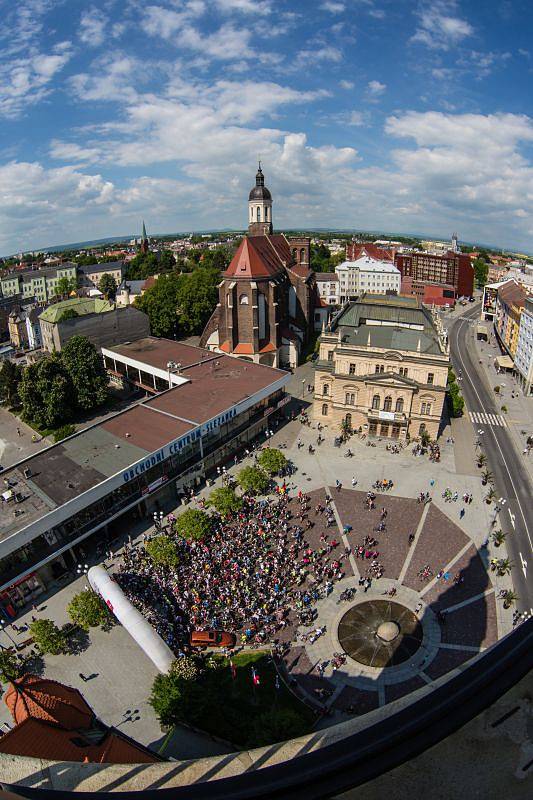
(389, 115)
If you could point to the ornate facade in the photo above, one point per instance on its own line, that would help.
(382, 368)
(267, 294)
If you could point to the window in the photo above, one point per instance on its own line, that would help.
(425, 408)
(324, 409)
(350, 399)
(421, 429)
(325, 390)
(352, 369)
(376, 402)
(399, 405)
(348, 420)
(403, 371)
(377, 368)
(243, 300)
(387, 406)
(431, 376)
(258, 214)
(330, 355)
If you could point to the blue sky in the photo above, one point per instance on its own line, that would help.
(400, 115)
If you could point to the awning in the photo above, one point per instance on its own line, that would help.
(504, 362)
(482, 329)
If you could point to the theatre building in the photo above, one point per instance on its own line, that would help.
(382, 369)
(88, 489)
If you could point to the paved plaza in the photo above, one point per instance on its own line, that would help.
(443, 539)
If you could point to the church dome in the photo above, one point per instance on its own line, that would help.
(259, 191)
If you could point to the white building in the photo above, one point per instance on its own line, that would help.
(367, 274)
(524, 351)
(327, 284)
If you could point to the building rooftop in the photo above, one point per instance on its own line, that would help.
(398, 323)
(81, 305)
(106, 266)
(65, 470)
(326, 276)
(367, 264)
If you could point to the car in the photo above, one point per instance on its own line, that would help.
(212, 638)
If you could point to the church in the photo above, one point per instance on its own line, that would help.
(267, 296)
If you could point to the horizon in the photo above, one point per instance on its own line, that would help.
(116, 112)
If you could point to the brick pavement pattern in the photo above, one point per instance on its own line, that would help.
(440, 541)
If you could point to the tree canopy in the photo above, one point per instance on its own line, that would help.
(160, 303)
(85, 368)
(253, 480)
(193, 524)
(65, 285)
(272, 460)
(88, 610)
(47, 393)
(481, 271)
(108, 285)
(47, 636)
(162, 551)
(225, 501)
(10, 376)
(197, 297)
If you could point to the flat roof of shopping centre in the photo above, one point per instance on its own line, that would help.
(64, 471)
(157, 353)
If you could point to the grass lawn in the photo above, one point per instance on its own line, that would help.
(229, 707)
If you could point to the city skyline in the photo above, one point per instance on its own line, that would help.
(367, 114)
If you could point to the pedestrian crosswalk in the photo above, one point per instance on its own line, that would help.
(483, 418)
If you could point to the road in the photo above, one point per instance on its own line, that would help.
(511, 479)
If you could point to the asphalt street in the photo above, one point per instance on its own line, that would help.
(511, 479)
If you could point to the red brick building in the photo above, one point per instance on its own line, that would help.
(450, 268)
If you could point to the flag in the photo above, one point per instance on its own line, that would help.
(255, 677)
(233, 670)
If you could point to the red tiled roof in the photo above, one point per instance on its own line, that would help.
(268, 348)
(31, 697)
(513, 294)
(355, 251)
(244, 349)
(256, 257)
(301, 270)
(37, 739)
(326, 277)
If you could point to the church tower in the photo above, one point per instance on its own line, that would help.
(259, 207)
(144, 240)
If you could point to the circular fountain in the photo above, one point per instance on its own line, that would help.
(380, 633)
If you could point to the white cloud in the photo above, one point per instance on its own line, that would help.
(112, 81)
(319, 54)
(346, 84)
(333, 7)
(261, 7)
(26, 81)
(93, 24)
(438, 28)
(357, 118)
(375, 88)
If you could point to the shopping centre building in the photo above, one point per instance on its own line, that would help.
(205, 408)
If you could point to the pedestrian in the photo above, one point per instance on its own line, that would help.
(354, 482)
(82, 676)
(18, 432)
(461, 513)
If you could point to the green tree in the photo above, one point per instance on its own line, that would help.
(253, 480)
(193, 524)
(225, 501)
(162, 551)
(167, 262)
(142, 266)
(47, 394)
(272, 460)
(85, 367)
(88, 610)
(197, 296)
(185, 668)
(64, 286)
(108, 286)
(9, 666)
(10, 377)
(481, 271)
(277, 725)
(168, 698)
(47, 636)
(160, 303)
(64, 431)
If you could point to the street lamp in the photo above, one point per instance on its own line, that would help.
(5, 622)
(303, 387)
(82, 569)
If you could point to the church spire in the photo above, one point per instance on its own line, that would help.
(259, 206)
(144, 240)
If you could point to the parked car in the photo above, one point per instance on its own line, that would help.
(212, 638)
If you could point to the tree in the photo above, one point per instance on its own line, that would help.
(85, 368)
(277, 725)
(509, 598)
(185, 668)
(160, 303)
(142, 266)
(481, 271)
(47, 636)
(253, 480)
(490, 496)
(504, 567)
(88, 610)
(486, 477)
(46, 392)
(481, 460)
(197, 296)
(225, 501)
(10, 376)
(193, 524)
(167, 699)
(272, 461)
(10, 667)
(425, 438)
(64, 286)
(108, 285)
(162, 551)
